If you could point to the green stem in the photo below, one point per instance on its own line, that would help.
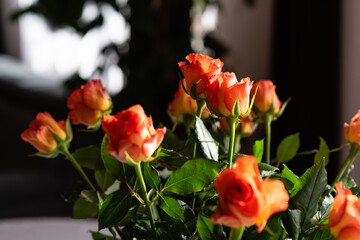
(236, 233)
(267, 123)
(146, 197)
(64, 150)
(232, 124)
(200, 107)
(354, 150)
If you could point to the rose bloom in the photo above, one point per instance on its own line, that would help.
(245, 198)
(224, 91)
(132, 132)
(39, 135)
(352, 131)
(344, 217)
(181, 104)
(199, 67)
(88, 103)
(245, 124)
(265, 96)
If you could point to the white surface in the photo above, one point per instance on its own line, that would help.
(45, 228)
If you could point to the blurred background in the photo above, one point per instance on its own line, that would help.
(48, 48)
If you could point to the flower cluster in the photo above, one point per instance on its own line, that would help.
(153, 183)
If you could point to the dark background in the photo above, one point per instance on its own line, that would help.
(304, 65)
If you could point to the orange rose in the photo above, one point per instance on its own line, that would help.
(132, 132)
(266, 96)
(245, 198)
(344, 217)
(39, 135)
(88, 103)
(181, 104)
(352, 131)
(246, 125)
(199, 69)
(224, 91)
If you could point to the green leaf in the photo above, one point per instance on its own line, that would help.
(171, 141)
(323, 153)
(324, 210)
(104, 179)
(207, 230)
(186, 227)
(100, 236)
(151, 176)
(295, 217)
(305, 197)
(288, 178)
(83, 209)
(272, 231)
(193, 176)
(348, 182)
(356, 191)
(114, 209)
(258, 149)
(266, 169)
(89, 157)
(288, 148)
(322, 234)
(89, 195)
(205, 227)
(171, 206)
(207, 144)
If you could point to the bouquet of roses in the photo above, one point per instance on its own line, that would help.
(149, 183)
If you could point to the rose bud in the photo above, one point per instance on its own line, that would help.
(198, 70)
(245, 198)
(181, 104)
(132, 132)
(352, 131)
(344, 217)
(88, 103)
(227, 97)
(266, 97)
(39, 134)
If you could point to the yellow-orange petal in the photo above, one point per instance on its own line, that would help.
(85, 115)
(339, 204)
(276, 200)
(150, 145)
(248, 164)
(349, 233)
(95, 96)
(41, 139)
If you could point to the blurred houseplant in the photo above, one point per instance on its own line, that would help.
(151, 184)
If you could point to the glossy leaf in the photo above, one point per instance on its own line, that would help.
(207, 230)
(267, 169)
(114, 209)
(104, 179)
(288, 148)
(288, 178)
(258, 149)
(272, 231)
(323, 153)
(84, 209)
(171, 206)
(305, 197)
(193, 176)
(207, 144)
(89, 157)
(151, 176)
(100, 236)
